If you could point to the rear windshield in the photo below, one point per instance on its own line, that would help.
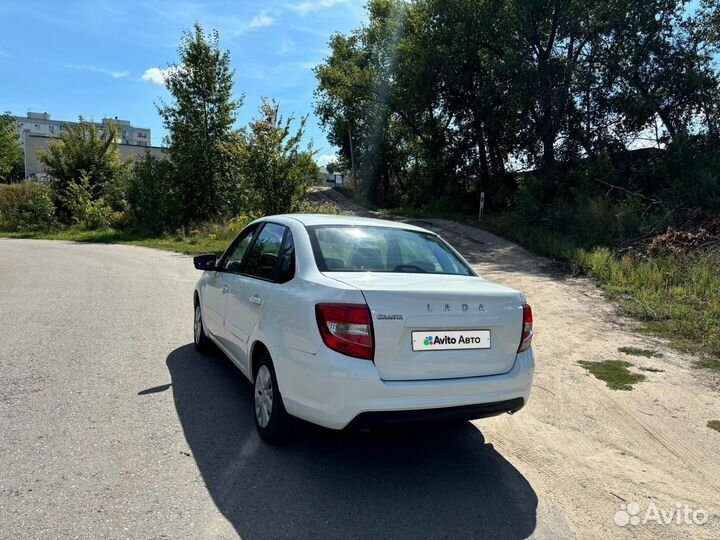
(340, 248)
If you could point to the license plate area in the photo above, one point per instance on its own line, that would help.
(450, 340)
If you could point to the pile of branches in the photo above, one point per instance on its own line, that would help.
(696, 232)
(689, 238)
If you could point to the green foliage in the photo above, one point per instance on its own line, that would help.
(26, 207)
(214, 173)
(87, 211)
(615, 373)
(84, 162)
(11, 153)
(709, 21)
(433, 99)
(153, 195)
(199, 122)
(274, 167)
(675, 296)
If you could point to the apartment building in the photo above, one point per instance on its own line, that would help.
(38, 129)
(42, 125)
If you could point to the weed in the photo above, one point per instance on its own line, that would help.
(713, 364)
(676, 296)
(636, 351)
(615, 373)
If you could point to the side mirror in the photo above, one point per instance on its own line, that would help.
(205, 262)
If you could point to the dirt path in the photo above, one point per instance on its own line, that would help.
(584, 448)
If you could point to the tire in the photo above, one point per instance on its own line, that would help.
(202, 343)
(272, 421)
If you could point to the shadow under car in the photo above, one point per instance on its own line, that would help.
(409, 482)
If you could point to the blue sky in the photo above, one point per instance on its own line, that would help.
(103, 58)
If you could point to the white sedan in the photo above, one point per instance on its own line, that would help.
(341, 320)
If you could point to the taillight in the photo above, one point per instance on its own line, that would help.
(347, 329)
(527, 329)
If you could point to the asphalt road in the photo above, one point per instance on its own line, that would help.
(112, 426)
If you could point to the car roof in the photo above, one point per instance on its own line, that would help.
(310, 220)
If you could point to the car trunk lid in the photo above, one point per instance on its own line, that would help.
(466, 309)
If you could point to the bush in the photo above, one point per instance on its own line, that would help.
(270, 158)
(153, 196)
(26, 207)
(85, 211)
(530, 198)
(84, 150)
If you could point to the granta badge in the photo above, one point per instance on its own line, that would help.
(393, 317)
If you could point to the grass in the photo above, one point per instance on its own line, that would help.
(676, 297)
(208, 238)
(190, 244)
(714, 424)
(636, 351)
(615, 373)
(712, 364)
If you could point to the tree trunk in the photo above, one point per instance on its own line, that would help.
(482, 151)
(672, 129)
(497, 163)
(548, 141)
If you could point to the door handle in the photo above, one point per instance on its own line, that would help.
(255, 299)
(225, 289)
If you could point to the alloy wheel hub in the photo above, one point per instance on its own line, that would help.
(263, 396)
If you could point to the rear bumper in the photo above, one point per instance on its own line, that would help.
(443, 414)
(333, 390)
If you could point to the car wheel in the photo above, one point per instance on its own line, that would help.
(271, 418)
(201, 340)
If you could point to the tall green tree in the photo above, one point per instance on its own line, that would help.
(86, 155)
(658, 66)
(199, 121)
(276, 167)
(443, 98)
(344, 95)
(152, 195)
(11, 153)
(355, 96)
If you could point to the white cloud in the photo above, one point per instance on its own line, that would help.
(303, 8)
(158, 75)
(261, 20)
(154, 75)
(324, 159)
(95, 69)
